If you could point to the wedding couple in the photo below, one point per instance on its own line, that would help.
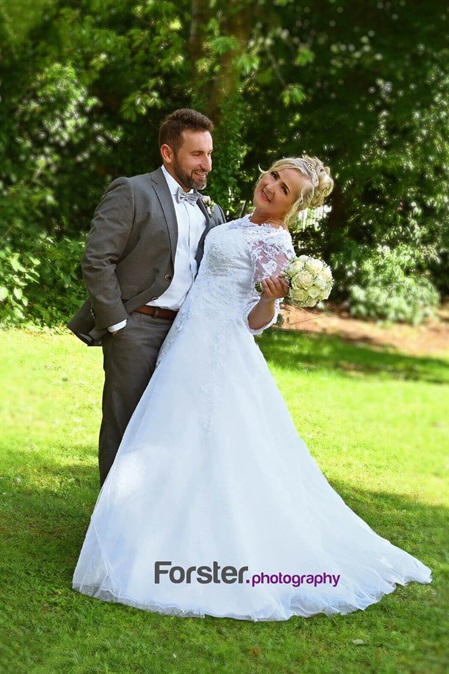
(213, 504)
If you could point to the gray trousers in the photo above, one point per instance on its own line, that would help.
(129, 359)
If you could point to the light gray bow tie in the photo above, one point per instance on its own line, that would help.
(191, 197)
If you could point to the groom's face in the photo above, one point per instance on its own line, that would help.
(193, 161)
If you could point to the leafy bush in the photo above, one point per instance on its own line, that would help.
(18, 272)
(385, 288)
(277, 80)
(43, 285)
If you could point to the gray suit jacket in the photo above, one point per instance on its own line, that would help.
(130, 252)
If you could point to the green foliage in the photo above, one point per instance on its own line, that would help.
(61, 289)
(42, 285)
(229, 153)
(376, 110)
(365, 86)
(386, 291)
(17, 273)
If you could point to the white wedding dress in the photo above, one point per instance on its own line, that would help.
(211, 470)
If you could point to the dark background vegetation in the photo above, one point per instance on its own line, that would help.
(363, 84)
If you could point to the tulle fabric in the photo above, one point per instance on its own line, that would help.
(211, 469)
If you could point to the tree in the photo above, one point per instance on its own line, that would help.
(361, 84)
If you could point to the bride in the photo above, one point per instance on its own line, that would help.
(214, 505)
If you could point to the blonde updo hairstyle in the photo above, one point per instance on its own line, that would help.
(314, 191)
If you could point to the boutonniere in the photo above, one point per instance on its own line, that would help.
(209, 204)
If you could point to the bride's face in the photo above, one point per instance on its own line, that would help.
(276, 193)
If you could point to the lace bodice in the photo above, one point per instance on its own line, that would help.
(237, 255)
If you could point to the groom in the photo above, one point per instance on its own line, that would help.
(141, 257)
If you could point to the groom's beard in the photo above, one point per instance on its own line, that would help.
(190, 181)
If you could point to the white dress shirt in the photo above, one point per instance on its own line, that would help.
(191, 224)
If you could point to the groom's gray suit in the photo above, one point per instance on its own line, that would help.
(129, 261)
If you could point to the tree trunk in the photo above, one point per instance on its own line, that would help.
(227, 82)
(200, 11)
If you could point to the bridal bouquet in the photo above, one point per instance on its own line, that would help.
(310, 281)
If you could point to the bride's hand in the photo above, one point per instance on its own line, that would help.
(274, 288)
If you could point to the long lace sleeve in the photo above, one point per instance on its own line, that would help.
(270, 254)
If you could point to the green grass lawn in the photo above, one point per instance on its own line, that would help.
(376, 421)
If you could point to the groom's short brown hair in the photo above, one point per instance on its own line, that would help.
(184, 119)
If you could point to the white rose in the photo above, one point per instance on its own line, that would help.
(311, 302)
(295, 281)
(314, 292)
(326, 274)
(306, 280)
(314, 266)
(303, 259)
(320, 282)
(294, 267)
(298, 296)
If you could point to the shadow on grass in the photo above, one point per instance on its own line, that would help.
(43, 527)
(293, 350)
